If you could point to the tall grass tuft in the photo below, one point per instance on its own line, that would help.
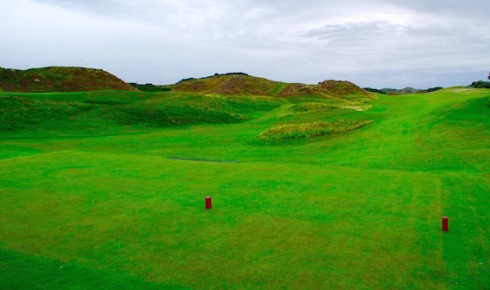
(310, 130)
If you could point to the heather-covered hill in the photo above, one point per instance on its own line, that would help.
(59, 79)
(240, 83)
(230, 84)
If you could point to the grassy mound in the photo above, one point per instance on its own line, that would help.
(309, 130)
(21, 112)
(104, 110)
(229, 84)
(173, 115)
(329, 88)
(311, 107)
(179, 109)
(60, 79)
(232, 84)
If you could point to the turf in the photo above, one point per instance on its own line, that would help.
(120, 200)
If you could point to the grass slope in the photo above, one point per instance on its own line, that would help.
(231, 84)
(59, 79)
(110, 112)
(124, 204)
(241, 84)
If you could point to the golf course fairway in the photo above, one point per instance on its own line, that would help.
(114, 199)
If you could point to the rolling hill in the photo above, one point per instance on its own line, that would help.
(243, 84)
(77, 79)
(59, 79)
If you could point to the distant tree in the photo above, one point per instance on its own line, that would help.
(429, 90)
(481, 85)
(212, 76)
(375, 91)
(150, 87)
(185, 80)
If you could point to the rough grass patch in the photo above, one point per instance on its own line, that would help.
(19, 112)
(311, 107)
(309, 130)
(152, 116)
(189, 110)
(60, 79)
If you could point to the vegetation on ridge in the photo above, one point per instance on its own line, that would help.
(241, 84)
(150, 87)
(481, 84)
(59, 79)
(212, 76)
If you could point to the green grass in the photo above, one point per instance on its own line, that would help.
(20, 112)
(309, 107)
(309, 130)
(113, 204)
(102, 112)
(18, 271)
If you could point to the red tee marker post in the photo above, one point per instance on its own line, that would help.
(445, 224)
(208, 202)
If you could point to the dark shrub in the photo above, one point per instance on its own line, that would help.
(375, 91)
(481, 85)
(429, 90)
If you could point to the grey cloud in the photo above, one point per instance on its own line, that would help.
(357, 32)
(474, 8)
(373, 42)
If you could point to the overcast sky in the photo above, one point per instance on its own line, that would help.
(377, 43)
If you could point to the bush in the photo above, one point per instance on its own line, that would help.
(150, 87)
(212, 76)
(429, 90)
(186, 80)
(375, 91)
(481, 85)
